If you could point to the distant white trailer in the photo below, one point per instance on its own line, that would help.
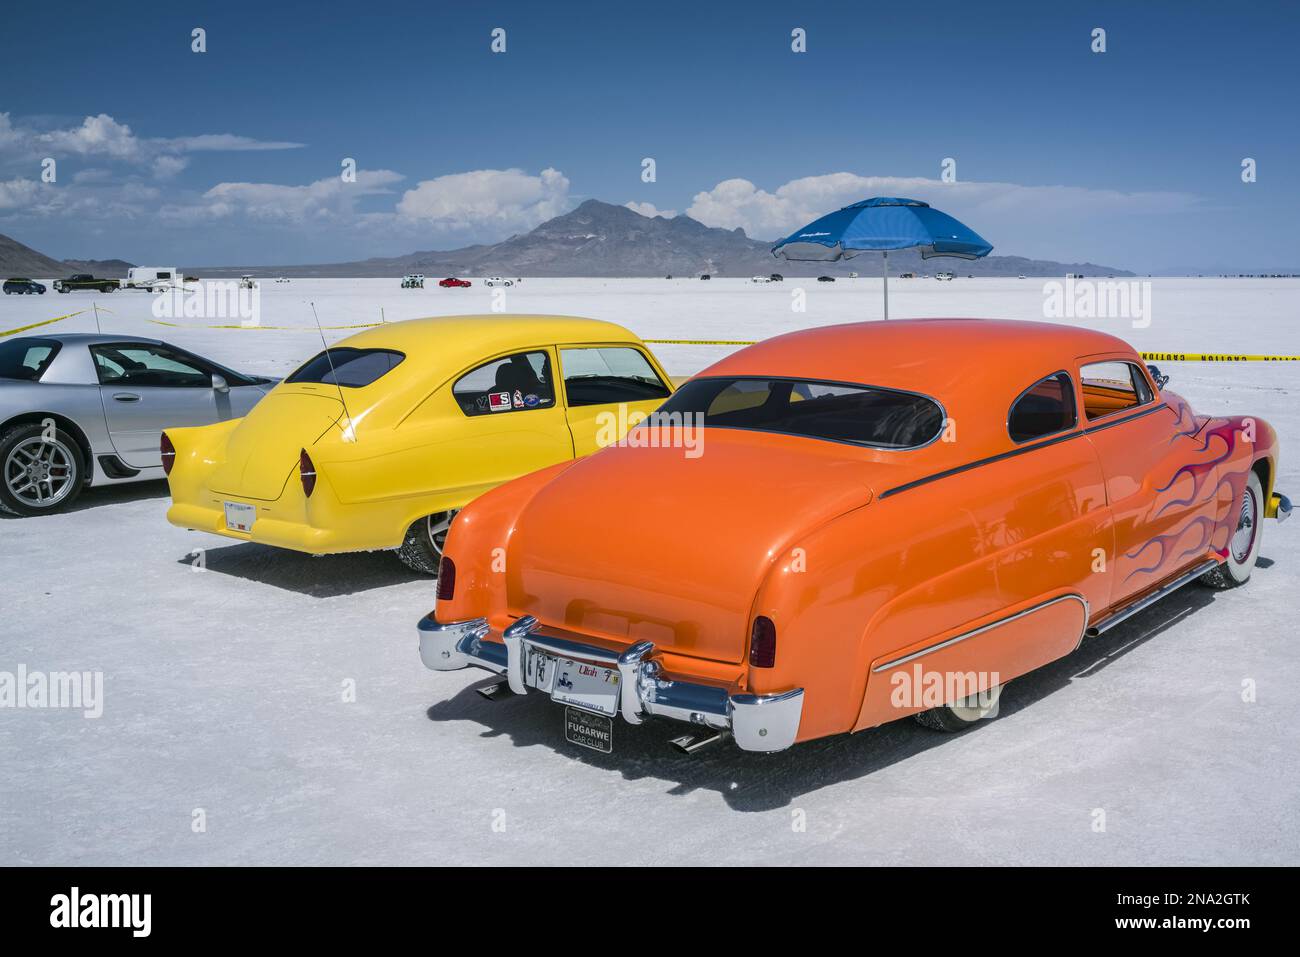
(151, 277)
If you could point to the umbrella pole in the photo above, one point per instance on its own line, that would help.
(886, 275)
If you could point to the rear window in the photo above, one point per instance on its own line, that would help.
(351, 368)
(1045, 408)
(27, 358)
(835, 411)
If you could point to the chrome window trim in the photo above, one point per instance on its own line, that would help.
(943, 421)
(1154, 397)
(1016, 401)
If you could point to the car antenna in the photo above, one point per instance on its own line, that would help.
(350, 433)
(96, 308)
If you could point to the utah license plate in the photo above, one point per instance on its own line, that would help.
(589, 686)
(593, 731)
(240, 517)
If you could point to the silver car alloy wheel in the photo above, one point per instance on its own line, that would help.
(437, 526)
(40, 473)
(1243, 539)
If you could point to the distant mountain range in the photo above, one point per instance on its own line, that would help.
(19, 260)
(595, 239)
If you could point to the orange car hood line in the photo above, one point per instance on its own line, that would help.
(581, 565)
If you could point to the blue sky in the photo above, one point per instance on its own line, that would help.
(1131, 157)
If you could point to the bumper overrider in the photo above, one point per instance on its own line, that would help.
(755, 722)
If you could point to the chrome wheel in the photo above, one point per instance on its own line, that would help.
(1243, 539)
(436, 527)
(40, 474)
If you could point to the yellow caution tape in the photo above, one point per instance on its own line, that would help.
(1149, 356)
(273, 328)
(1212, 357)
(37, 325)
(701, 342)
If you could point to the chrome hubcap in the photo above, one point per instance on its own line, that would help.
(1243, 539)
(437, 526)
(39, 473)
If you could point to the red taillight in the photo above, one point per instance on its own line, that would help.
(168, 454)
(762, 643)
(446, 579)
(306, 472)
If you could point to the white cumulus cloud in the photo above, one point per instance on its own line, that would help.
(496, 200)
(325, 199)
(19, 193)
(650, 210)
(983, 206)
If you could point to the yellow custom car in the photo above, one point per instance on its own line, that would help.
(380, 439)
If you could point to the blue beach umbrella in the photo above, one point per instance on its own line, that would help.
(879, 225)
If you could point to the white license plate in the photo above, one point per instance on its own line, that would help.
(240, 517)
(593, 731)
(585, 685)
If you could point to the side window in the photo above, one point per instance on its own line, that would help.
(1110, 387)
(604, 374)
(1046, 407)
(516, 383)
(137, 364)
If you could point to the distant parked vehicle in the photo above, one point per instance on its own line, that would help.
(247, 282)
(83, 409)
(705, 276)
(498, 281)
(413, 281)
(776, 277)
(759, 279)
(853, 275)
(668, 277)
(1021, 276)
(907, 275)
(451, 282)
(84, 280)
(825, 278)
(150, 277)
(283, 279)
(943, 276)
(24, 287)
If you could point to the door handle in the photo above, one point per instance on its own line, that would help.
(126, 397)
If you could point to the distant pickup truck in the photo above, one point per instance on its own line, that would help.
(86, 281)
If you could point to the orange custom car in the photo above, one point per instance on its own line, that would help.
(874, 520)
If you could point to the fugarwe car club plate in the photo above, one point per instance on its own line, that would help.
(589, 691)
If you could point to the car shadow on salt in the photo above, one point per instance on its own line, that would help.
(106, 495)
(319, 576)
(757, 782)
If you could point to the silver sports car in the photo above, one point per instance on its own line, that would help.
(84, 409)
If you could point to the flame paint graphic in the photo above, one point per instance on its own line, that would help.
(1224, 431)
(1200, 470)
(1185, 413)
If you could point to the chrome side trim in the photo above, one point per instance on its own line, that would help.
(1130, 610)
(989, 627)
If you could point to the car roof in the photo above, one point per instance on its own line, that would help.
(974, 368)
(934, 356)
(92, 338)
(452, 343)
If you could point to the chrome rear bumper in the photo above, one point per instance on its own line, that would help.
(757, 722)
(1279, 507)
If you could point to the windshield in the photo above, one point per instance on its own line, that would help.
(834, 411)
(351, 368)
